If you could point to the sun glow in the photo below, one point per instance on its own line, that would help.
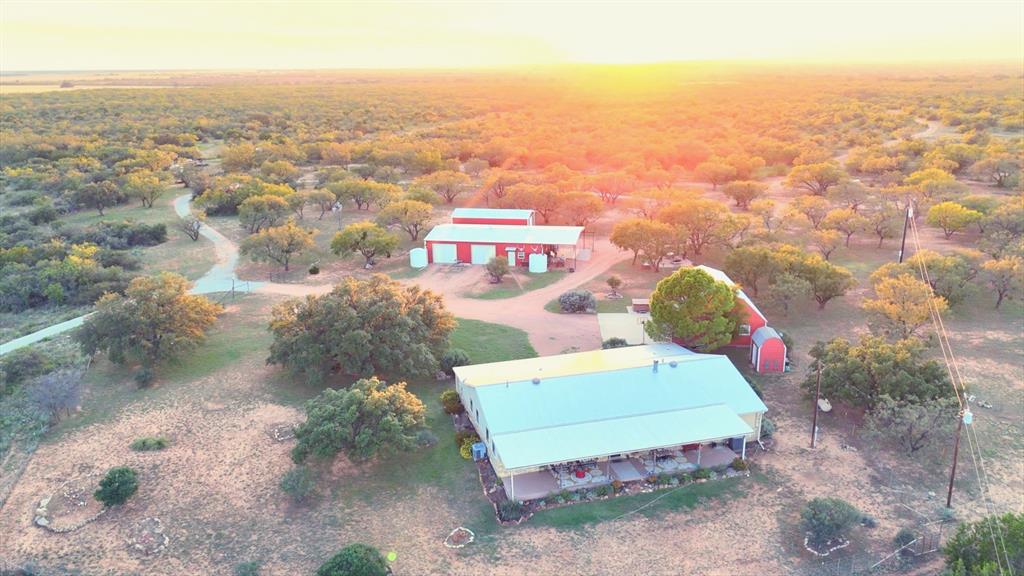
(264, 35)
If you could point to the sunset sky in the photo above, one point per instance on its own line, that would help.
(42, 35)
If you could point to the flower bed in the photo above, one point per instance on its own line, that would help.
(459, 538)
(148, 538)
(495, 493)
(70, 507)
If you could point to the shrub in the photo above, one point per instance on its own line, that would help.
(117, 486)
(510, 510)
(617, 485)
(251, 568)
(426, 438)
(602, 491)
(739, 464)
(701, 474)
(149, 443)
(355, 560)
(461, 435)
(767, 427)
(298, 483)
(314, 269)
(144, 377)
(577, 301)
(828, 519)
(614, 342)
(614, 282)
(21, 365)
(684, 478)
(868, 521)
(497, 268)
(452, 358)
(903, 537)
(663, 478)
(466, 450)
(652, 479)
(451, 402)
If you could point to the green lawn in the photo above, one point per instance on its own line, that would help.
(657, 502)
(236, 335)
(510, 287)
(179, 254)
(486, 342)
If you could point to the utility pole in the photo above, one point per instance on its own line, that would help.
(964, 416)
(906, 223)
(814, 423)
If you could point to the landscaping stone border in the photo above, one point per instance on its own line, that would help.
(42, 512)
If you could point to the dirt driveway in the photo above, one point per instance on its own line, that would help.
(549, 333)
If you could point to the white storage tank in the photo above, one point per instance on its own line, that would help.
(418, 258)
(538, 263)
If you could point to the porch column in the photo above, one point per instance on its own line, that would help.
(512, 485)
(698, 454)
(743, 454)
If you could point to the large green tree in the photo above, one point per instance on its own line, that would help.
(366, 238)
(862, 373)
(279, 243)
(362, 328)
(749, 265)
(911, 425)
(364, 420)
(409, 215)
(974, 551)
(156, 319)
(827, 280)
(641, 236)
(692, 308)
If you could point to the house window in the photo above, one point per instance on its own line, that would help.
(744, 329)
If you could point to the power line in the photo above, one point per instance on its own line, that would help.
(957, 381)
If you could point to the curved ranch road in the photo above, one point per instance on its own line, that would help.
(220, 278)
(549, 333)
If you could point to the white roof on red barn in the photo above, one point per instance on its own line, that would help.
(504, 234)
(723, 277)
(493, 213)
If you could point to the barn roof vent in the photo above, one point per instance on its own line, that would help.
(536, 381)
(673, 363)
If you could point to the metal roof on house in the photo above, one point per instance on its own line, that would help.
(723, 277)
(597, 439)
(555, 235)
(764, 333)
(577, 364)
(608, 402)
(493, 213)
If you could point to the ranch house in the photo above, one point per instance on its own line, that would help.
(576, 421)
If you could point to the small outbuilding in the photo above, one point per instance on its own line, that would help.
(767, 351)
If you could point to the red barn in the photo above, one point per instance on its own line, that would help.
(494, 216)
(753, 319)
(767, 350)
(478, 243)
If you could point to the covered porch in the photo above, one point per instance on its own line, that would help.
(530, 485)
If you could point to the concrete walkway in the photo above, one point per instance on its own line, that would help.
(220, 278)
